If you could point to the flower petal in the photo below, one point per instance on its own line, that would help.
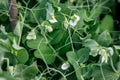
(65, 66)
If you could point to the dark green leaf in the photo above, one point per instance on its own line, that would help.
(107, 74)
(83, 55)
(24, 72)
(104, 38)
(22, 55)
(72, 58)
(4, 5)
(57, 36)
(45, 53)
(107, 23)
(95, 12)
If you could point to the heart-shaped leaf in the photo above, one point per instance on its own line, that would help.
(45, 53)
(34, 44)
(22, 55)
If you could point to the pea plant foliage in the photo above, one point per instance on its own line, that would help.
(59, 40)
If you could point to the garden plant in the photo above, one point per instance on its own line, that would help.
(59, 40)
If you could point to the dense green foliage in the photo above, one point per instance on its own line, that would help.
(60, 40)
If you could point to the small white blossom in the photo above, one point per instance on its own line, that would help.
(110, 49)
(52, 19)
(102, 51)
(104, 55)
(11, 69)
(65, 23)
(74, 20)
(31, 35)
(59, 8)
(65, 66)
(49, 28)
(104, 58)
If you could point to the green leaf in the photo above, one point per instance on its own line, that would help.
(6, 76)
(4, 5)
(12, 36)
(34, 44)
(55, 1)
(83, 55)
(5, 45)
(118, 66)
(104, 38)
(24, 72)
(72, 58)
(89, 21)
(90, 43)
(56, 36)
(108, 74)
(37, 13)
(22, 55)
(95, 13)
(107, 23)
(83, 15)
(18, 29)
(11, 57)
(45, 53)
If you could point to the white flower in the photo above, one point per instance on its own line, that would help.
(104, 58)
(74, 20)
(104, 55)
(110, 49)
(52, 19)
(11, 69)
(16, 46)
(49, 28)
(65, 66)
(59, 8)
(65, 23)
(102, 51)
(31, 35)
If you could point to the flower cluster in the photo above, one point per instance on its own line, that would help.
(74, 20)
(104, 53)
(31, 35)
(47, 26)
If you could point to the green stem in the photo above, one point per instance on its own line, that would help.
(101, 69)
(71, 39)
(22, 24)
(78, 71)
(111, 62)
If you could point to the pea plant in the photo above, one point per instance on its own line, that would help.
(59, 40)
